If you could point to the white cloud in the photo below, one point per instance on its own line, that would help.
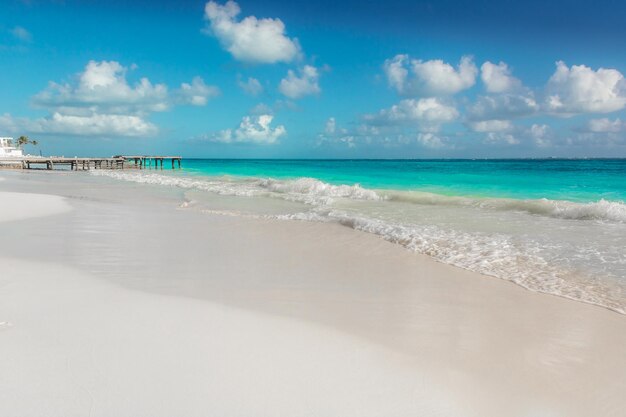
(540, 134)
(335, 135)
(429, 112)
(260, 109)
(503, 106)
(429, 78)
(197, 93)
(389, 136)
(494, 138)
(294, 86)
(101, 102)
(94, 124)
(580, 89)
(491, 126)
(349, 141)
(252, 129)
(430, 140)
(438, 77)
(606, 126)
(251, 86)
(102, 85)
(331, 126)
(251, 39)
(397, 73)
(498, 79)
(22, 34)
(344, 140)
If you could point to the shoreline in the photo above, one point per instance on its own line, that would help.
(466, 232)
(514, 352)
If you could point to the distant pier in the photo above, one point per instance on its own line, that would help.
(84, 164)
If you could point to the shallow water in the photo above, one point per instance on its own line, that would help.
(549, 225)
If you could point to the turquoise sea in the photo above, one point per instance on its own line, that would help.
(554, 226)
(573, 180)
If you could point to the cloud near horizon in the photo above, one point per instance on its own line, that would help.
(605, 125)
(490, 118)
(415, 77)
(252, 129)
(426, 113)
(580, 89)
(102, 102)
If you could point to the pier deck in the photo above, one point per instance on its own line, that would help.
(76, 164)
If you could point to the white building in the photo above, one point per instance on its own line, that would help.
(7, 150)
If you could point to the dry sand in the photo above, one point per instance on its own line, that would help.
(136, 308)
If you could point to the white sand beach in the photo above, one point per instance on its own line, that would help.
(116, 300)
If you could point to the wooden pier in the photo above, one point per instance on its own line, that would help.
(143, 161)
(84, 164)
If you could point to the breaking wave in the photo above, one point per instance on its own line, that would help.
(316, 192)
(547, 262)
(303, 190)
(498, 255)
(614, 211)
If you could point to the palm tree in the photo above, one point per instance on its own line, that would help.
(24, 140)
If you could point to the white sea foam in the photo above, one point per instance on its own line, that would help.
(316, 192)
(498, 255)
(303, 190)
(599, 210)
(548, 260)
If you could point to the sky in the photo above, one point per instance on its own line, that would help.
(315, 79)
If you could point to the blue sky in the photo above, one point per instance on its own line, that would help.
(323, 79)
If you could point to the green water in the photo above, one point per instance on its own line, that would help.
(573, 180)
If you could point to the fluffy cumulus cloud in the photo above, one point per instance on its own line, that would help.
(397, 72)
(503, 106)
(429, 78)
(252, 129)
(540, 134)
(251, 86)
(491, 126)
(490, 117)
(497, 78)
(431, 140)
(102, 102)
(103, 86)
(606, 125)
(299, 85)
(197, 93)
(250, 39)
(501, 138)
(91, 124)
(508, 99)
(580, 89)
(428, 112)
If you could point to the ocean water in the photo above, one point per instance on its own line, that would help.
(553, 226)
